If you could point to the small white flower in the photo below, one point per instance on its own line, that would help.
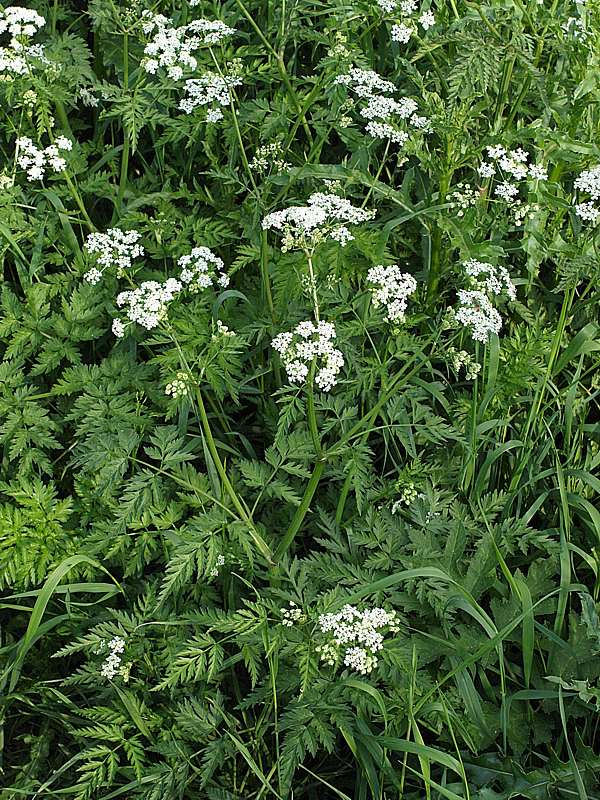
(118, 328)
(325, 217)
(35, 160)
(587, 212)
(486, 170)
(401, 33)
(495, 151)
(494, 280)
(210, 90)
(148, 304)
(427, 20)
(506, 191)
(93, 276)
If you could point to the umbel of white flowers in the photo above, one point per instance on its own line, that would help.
(326, 216)
(35, 160)
(589, 182)
(308, 342)
(476, 310)
(391, 288)
(387, 118)
(356, 636)
(113, 248)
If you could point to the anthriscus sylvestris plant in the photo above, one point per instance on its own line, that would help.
(299, 389)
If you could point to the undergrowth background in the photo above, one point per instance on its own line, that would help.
(171, 500)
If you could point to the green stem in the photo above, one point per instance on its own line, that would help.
(77, 197)
(433, 278)
(280, 66)
(312, 417)
(239, 506)
(301, 511)
(126, 142)
(339, 512)
(537, 403)
(264, 271)
(313, 285)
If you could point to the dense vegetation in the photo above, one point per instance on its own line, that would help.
(299, 400)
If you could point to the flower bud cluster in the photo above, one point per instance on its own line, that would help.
(391, 288)
(178, 387)
(309, 342)
(589, 182)
(269, 158)
(356, 636)
(326, 216)
(201, 269)
(223, 331)
(115, 248)
(387, 118)
(460, 359)
(291, 615)
(220, 562)
(36, 161)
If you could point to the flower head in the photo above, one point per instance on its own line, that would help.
(310, 342)
(326, 216)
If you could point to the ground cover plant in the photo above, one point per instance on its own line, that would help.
(299, 399)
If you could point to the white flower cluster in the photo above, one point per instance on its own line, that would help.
(476, 310)
(391, 288)
(406, 9)
(589, 182)
(20, 23)
(326, 216)
(201, 269)
(146, 305)
(36, 161)
(509, 167)
(19, 58)
(460, 359)
(491, 279)
(172, 48)
(269, 158)
(477, 313)
(384, 113)
(307, 342)
(210, 90)
(290, 615)
(363, 631)
(463, 197)
(112, 664)
(178, 387)
(112, 248)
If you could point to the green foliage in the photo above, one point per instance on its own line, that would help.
(176, 514)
